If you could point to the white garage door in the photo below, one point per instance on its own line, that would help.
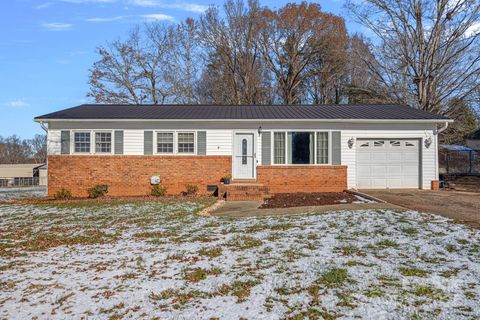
(388, 164)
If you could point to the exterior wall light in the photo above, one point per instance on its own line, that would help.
(351, 142)
(428, 142)
(260, 130)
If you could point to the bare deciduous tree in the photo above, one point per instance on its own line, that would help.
(38, 147)
(234, 72)
(294, 39)
(134, 71)
(428, 51)
(14, 150)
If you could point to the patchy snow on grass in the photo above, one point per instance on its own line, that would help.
(161, 260)
(22, 193)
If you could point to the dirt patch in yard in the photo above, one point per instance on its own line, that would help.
(287, 200)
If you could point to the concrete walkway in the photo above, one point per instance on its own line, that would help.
(250, 209)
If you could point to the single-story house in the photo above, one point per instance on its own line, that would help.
(473, 140)
(304, 148)
(21, 174)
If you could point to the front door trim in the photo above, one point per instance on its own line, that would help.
(254, 134)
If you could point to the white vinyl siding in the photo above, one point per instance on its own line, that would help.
(133, 142)
(219, 142)
(54, 142)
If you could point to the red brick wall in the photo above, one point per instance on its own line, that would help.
(130, 175)
(281, 179)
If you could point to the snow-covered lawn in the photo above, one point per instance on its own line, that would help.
(22, 192)
(158, 260)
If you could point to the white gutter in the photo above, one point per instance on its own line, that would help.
(445, 126)
(256, 120)
(43, 126)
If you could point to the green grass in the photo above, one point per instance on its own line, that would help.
(210, 252)
(429, 292)
(239, 289)
(199, 274)
(412, 272)
(333, 278)
(244, 242)
(387, 244)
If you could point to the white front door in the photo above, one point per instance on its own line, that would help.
(388, 163)
(243, 156)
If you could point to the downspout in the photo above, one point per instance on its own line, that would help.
(43, 127)
(46, 131)
(438, 131)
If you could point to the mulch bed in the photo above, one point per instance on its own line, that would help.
(287, 200)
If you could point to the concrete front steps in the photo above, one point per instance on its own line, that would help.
(243, 190)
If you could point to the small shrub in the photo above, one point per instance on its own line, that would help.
(158, 190)
(63, 194)
(97, 191)
(191, 189)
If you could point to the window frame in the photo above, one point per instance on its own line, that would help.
(175, 143)
(156, 142)
(92, 141)
(72, 142)
(112, 141)
(287, 148)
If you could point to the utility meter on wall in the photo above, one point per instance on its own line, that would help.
(154, 180)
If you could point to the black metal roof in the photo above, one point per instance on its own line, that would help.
(241, 112)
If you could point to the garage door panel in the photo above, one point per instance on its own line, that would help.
(395, 182)
(378, 156)
(393, 163)
(379, 183)
(410, 170)
(395, 156)
(411, 156)
(379, 171)
(395, 170)
(364, 156)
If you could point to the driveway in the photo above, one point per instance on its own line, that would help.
(461, 206)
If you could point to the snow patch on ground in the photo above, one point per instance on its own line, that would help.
(164, 261)
(22, 193)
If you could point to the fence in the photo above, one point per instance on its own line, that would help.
(459, 162)
(19, 182)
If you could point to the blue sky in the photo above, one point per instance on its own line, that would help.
(48, 46)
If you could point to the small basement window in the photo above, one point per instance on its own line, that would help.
(103, 142)
(82, 142)
(186, 142)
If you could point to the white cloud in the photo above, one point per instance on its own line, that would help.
(89, 1)
(44, 5)
(144, 3)
(185, 6)
(158, 17)
(57, 26)
(105, 19)
(18, 103)
(473, 30)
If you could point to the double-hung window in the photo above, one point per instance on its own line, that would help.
(173, 142)
(185, 142)
(103, 142)
(165, 142)
(81, 142)
(301, 147)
